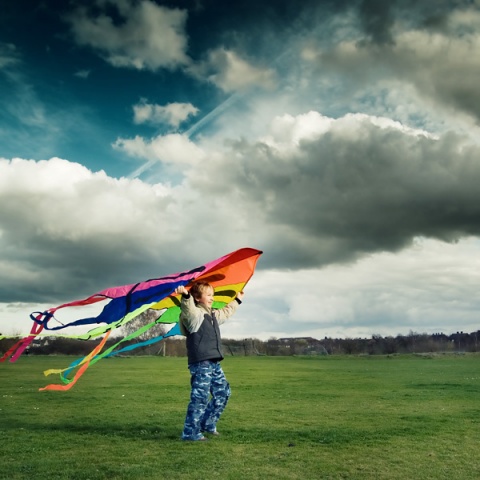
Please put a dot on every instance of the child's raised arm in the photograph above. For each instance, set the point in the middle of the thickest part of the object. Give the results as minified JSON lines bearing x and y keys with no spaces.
{"x":182,"y":290}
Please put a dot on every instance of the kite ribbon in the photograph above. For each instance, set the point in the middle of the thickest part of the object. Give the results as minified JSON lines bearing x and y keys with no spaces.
{"x":19,"y":347}
{"x":81,"y":370}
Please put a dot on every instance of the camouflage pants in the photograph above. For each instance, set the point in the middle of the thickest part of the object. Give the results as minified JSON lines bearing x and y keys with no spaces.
{"x":203,"y":412}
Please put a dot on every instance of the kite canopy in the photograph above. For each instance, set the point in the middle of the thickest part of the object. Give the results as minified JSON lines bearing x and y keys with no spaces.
{"x":228,"y":275}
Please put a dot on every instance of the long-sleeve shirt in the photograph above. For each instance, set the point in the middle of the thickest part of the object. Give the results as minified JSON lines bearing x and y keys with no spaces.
{"x":201,"y":327}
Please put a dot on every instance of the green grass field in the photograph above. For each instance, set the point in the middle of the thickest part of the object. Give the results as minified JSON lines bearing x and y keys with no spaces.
{"x":400,"y":417}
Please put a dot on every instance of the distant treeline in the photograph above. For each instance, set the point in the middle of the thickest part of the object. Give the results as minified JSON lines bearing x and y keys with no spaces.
{"x":175,"y":346}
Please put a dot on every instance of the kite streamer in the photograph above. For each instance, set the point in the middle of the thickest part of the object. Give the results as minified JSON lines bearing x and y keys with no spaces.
{"x":228,"y":275}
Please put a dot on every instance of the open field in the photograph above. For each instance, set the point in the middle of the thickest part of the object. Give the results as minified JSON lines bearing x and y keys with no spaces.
{"x":400,"y":417}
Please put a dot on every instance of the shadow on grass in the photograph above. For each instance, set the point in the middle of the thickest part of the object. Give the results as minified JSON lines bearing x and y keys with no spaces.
{"x":407,"y":426}
{"x":137,"y":431}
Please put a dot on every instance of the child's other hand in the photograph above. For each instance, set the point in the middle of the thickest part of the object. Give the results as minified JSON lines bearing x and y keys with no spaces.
{"x":240,"y":295}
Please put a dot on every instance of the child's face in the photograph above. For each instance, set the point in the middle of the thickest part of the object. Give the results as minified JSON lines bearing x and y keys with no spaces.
{"x":207,"y":297}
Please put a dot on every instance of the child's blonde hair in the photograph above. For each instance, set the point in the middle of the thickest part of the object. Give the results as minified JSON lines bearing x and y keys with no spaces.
{"x":198,"y":288}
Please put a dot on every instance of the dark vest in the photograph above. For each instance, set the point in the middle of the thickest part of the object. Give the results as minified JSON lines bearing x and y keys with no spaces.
{"x":206,"y":344}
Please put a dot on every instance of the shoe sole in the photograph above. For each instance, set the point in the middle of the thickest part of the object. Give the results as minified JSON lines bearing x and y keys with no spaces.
{"x":203,"y":439}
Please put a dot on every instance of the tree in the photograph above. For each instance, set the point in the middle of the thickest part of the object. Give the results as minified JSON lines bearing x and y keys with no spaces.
{"x":146,"y":317}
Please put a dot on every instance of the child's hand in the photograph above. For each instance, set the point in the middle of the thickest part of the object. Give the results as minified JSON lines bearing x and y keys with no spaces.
{"x":240,"y":295}
{"x":181,"y":290}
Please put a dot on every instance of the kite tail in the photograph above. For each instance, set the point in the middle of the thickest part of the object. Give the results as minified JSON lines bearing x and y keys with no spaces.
{"x":22,"y":344}
{"x":175,"y":330}
{"x":40,"y":321}
{"x":81,"y":370}
{"x":110,"y":352}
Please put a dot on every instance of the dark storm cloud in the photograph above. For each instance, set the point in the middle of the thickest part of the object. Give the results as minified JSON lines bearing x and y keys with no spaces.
{"x":347,"y":194}
{"x":431,"y":48}
{"x":376,"y":17}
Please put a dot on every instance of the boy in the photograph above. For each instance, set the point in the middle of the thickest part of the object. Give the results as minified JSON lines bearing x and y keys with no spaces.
{"x":200,"y":324}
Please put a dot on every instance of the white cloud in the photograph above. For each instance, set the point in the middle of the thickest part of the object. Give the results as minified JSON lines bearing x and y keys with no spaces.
{"x":172,"y":114}
{"x":149,"y":37}
{"x":57,"y":199}
{"x":228,"y":71}
{"x":288,"y":130}
{"x":8,"y":54}
{"x":153,"y":37}
{"x":82,"y":74}
{"x":173,"y":149}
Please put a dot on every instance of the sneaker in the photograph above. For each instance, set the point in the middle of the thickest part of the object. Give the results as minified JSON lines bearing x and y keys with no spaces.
{"x":215,"y":433}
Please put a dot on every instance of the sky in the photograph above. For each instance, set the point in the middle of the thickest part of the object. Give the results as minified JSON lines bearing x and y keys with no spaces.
{"x":341,"y":138}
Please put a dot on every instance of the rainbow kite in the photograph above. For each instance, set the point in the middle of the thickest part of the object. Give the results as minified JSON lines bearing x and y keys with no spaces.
{"x":228,"y":275}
